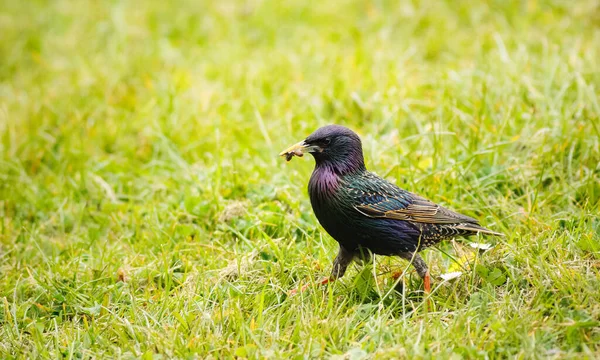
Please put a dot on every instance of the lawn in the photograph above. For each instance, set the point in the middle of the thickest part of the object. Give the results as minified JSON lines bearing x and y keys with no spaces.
{"x":144,"y":212}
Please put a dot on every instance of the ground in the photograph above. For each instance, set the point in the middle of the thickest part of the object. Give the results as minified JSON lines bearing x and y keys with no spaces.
{"x":145,"y":213}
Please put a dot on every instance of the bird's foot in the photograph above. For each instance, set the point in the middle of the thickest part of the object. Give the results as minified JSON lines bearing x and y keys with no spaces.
{"x":306,"y":286}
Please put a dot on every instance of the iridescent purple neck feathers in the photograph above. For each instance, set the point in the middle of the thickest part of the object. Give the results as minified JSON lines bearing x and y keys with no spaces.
{"x":323,"y":183}
{"x":328,"y":172}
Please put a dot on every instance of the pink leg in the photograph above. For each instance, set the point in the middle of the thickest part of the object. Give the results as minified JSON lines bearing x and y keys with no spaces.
{"x":427,"y":282}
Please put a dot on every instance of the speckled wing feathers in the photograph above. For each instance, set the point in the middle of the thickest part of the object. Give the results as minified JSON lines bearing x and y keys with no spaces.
{"x":417,"y":210}
{"x":375,"y":197}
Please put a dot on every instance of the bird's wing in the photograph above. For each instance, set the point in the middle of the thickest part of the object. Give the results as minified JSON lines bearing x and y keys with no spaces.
{"x":375,"y":197}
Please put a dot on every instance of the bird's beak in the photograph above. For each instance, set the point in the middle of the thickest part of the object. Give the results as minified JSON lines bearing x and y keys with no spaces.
{"x":299,"y":150}
{"x":296,"y":149}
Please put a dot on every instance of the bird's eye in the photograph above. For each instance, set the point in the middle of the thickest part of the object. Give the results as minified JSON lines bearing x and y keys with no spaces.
{"x":326,"y":141}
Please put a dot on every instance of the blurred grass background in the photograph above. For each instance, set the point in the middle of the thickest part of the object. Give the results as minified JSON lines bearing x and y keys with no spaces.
{"x":145,"y":212}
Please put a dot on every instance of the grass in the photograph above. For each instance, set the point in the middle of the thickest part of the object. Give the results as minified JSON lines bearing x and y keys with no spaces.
{"x":144,"y":211}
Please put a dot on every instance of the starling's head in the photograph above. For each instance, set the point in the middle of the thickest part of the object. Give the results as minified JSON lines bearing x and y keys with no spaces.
{"x":334,"y":146}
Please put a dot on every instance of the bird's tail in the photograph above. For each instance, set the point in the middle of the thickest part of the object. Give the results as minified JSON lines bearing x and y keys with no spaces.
{"x":477,"y":229}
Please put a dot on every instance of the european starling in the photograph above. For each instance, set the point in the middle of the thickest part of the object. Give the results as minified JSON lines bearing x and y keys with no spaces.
{"x":368,"y":215}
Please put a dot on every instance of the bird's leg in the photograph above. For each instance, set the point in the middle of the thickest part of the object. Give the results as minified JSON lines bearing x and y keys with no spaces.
{"x":340,"y":264}
{"x":419,"y":264}
{"x":364,"y":256}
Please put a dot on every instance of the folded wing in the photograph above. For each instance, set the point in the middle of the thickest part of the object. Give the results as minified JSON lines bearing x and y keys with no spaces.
{"x":374,"y":197}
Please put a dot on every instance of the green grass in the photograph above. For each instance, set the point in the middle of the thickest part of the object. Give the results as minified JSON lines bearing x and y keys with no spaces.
{"x":144,"y":210}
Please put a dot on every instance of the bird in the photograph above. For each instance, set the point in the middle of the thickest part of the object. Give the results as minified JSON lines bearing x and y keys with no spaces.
{"x":368,"y":215}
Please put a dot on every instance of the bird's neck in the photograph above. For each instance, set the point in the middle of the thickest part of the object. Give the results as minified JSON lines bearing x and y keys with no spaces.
{"x":349,"y":165}
{"x":323,"y":182}
{"x":327,"y":177}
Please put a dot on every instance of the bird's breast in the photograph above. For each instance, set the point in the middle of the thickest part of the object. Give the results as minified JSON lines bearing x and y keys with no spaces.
{"x":330,"y":206}
{"x":323,"y":191}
